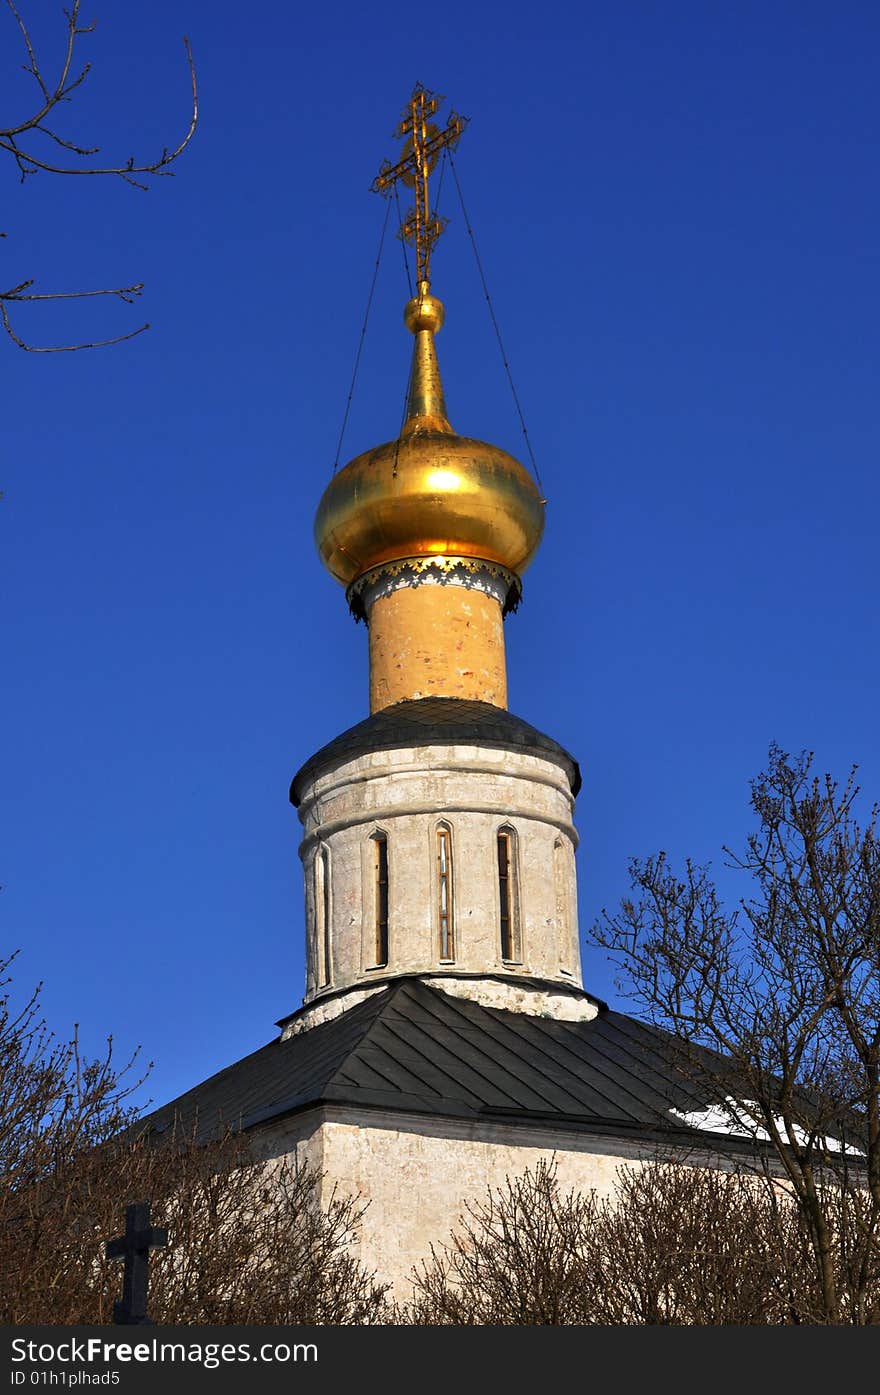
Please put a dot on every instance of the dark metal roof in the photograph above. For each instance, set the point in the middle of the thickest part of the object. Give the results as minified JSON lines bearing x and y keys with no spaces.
{"x":416,"y":1049}
{"x":436,"y":722}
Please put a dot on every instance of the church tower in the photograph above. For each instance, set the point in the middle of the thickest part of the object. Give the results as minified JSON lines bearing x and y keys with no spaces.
{"x":437,"y":834}
{"x":445,"y":1041}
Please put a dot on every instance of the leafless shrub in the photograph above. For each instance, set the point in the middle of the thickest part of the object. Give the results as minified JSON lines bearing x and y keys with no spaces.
{"x":517,"y":1259}
{"x":685,"y":1246}
{"x":248,"y":1242}
{"x":675,"y":1245}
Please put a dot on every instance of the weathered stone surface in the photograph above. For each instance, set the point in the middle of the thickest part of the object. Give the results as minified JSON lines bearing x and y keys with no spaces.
{"x":436,"y":641}
{"x":407,"y":794}
{"x":415,"y":1175}
{"x":513,"y":996}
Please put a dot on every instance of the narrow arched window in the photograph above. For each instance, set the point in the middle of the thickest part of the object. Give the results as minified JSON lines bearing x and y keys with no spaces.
{"x":380,"y":844}
{"x":322,"y":916}
{"x":508,"y":896}
{"x":563,"y":913}
{"x":444,"y":892}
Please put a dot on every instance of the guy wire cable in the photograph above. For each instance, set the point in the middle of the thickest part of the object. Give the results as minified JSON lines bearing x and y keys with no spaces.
{"x":504,"y":359}
{"x":357,"y":359}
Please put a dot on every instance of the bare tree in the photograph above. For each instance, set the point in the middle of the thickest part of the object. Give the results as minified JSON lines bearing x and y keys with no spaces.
{"x":249,"y":1242}
{"x":774,"y":1009}
{"x":29,"y":139}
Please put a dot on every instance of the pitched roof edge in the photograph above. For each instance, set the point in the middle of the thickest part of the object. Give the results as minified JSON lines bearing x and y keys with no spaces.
{"x":677,"y":1135}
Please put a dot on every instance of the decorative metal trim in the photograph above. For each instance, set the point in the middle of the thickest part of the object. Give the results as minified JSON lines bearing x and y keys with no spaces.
{"x":438,"y":570}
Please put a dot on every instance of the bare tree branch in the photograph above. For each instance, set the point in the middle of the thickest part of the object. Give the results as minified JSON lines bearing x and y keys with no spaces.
{"x":773,"y":1008}
{"x":126,"y":293}
{"x":64,"y":348}
{"x":28,"y":161}
{"x":62,"y":87}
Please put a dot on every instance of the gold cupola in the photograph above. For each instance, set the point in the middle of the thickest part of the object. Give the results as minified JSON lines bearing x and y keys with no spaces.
{"x":429,"y":492}
{"x":430,"y":512}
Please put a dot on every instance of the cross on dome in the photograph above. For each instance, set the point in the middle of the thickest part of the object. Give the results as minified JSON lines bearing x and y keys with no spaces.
{"x":424,"y":144}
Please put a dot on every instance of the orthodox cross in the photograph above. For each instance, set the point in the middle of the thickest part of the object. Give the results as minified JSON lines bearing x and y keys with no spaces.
{"x":134,"y":1247}
{"x":424,"y":145}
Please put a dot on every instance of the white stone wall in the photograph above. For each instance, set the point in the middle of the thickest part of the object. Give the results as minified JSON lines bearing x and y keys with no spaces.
{"x":416,"y":1174}
{"x":406,"y":794}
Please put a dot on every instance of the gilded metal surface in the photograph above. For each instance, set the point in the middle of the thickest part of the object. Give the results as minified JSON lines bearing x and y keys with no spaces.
{"x":430,"y":493}
{"x":421,"y":226}
{"x":424,"y":311}
{"x":425,"y":403}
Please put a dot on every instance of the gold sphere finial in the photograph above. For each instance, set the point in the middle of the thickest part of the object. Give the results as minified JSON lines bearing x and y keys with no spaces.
{"x":424,"y":312}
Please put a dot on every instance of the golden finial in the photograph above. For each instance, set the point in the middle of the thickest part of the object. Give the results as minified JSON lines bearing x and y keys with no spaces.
{"x":424,"y":145}
{"x":425,"y":403}
{"x":428,"y":498}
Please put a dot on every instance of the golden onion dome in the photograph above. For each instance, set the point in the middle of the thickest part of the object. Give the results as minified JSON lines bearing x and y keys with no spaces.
{"x":430,"y":492}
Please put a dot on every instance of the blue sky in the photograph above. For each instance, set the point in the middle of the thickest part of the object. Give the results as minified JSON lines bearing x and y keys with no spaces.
{"x":677,"y":208}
